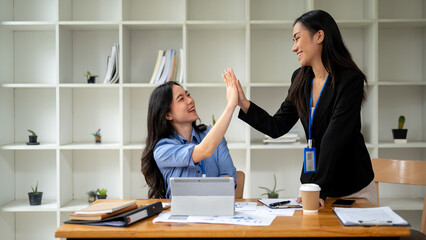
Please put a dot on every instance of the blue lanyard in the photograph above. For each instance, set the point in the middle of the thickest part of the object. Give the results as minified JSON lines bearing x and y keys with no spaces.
{"x":203,"y":169}
{"x":311,"y":116}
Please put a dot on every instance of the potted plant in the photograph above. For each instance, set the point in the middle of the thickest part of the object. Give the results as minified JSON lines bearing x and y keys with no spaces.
{"x":102,"y":193}
{"x":98,"y":137}
{"x":32,"y":139}
{"x":272,"y":193}
{"x":92,"y":195}
{"x":35,"y":196}
{"x":400,"y":134}
{"x":90,"y":77}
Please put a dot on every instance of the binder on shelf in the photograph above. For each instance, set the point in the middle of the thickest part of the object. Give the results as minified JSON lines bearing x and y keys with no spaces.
{"x":124,"y":219}
{"x":167,"y":66}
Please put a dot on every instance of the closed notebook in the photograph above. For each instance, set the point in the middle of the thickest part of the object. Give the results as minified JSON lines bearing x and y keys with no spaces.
{"x":101,"y":216}
{"x":124,"y":219}
{"x":105,"y":207}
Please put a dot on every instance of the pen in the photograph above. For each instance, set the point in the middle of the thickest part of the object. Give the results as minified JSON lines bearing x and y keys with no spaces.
{"x":278,"y":203}
{"x":372,"y":223}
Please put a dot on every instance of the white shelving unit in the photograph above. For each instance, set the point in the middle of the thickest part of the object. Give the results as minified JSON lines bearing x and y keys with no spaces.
{"x":48,"y":45}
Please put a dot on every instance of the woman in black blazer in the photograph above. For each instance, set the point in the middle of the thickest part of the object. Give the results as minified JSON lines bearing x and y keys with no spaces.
{"x":343,"y":166}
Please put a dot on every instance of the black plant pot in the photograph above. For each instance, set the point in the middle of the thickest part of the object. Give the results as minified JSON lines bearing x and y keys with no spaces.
{"x":399,"y":135}
{"x":272,"y":195}
{"x":102,"y":197}
{"x":32,"y":139}
{"x":91,"y":80}
{"x":35,"y":198}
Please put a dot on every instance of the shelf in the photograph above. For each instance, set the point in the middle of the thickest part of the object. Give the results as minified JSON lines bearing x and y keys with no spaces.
{"x":24,"y":206}
{"x":29,"y":25}
{"x":297,"y":145}
{"x":88,"y":85}
{"x":403,"y":145}
{"x":93,"y":146}
{"x":401,"y":23}
{"x":24,"y":146}
{"x":29,"y":85}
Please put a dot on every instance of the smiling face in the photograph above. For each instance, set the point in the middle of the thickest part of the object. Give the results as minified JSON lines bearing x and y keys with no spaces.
{"x":308,"y":47}
{"x":182,"y":108}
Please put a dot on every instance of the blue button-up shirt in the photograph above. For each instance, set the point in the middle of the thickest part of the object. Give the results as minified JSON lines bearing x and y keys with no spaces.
{"x":174,"y":158}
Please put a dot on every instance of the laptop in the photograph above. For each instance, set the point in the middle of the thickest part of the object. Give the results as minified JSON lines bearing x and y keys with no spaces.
{"x":203,"y":196}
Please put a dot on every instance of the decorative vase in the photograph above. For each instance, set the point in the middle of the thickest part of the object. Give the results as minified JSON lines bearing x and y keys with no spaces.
{"x":91,"y":199}
{"x":102,"y":197}
{"x":98,"y":139}
{"x":399,"y":135}
{"x":35,"y":198}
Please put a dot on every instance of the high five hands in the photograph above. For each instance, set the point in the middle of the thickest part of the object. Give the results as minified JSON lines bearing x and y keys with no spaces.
{"x":229,"y":76}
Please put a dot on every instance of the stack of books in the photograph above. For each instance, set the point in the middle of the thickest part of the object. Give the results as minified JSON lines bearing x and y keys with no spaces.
{"x":168,"y":67}
{"x":290,"y":137}
{"x":112,"y":73}
{"x":116,"y":213}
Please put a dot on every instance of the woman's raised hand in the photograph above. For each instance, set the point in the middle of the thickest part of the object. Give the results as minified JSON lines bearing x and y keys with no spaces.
{"x":231,"y":89}
{"x":242,"y":100}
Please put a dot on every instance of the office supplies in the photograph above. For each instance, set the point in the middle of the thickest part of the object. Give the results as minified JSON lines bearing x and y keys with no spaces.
{"x":279,"y":203}
{"x":126,"y":218}
{"x":268,"y":201}
{"x":369,"y":216}
{"x":203,"y":196}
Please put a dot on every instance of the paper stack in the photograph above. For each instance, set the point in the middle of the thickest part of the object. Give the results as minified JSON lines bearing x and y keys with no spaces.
{"x":112,"y":73}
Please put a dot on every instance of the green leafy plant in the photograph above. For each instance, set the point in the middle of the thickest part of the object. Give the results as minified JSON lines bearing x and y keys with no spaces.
{"x":89,"y":75}
{"x":35,"y":189}
{"x":92,"y":193}
{"x":97,"y":133}
{"x":102,"y":191}
{"x":32,"y":132}
{"x":401,"y":122}
{"x":213,"y":120}
{"x":273,"y":191}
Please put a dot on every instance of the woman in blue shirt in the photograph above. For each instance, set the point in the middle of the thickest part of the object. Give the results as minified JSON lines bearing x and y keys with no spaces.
{"x":176,"y":146}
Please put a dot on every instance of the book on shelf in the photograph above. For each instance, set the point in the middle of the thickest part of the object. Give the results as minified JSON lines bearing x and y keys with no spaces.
{"x":290,"y":137}
{"x":169,"y":67}
{"x":105,"y":207}
{"x":124,"y":219}
{"x":157,"y":65}
{"x":100,"y":216}
{"x":112,"y":73}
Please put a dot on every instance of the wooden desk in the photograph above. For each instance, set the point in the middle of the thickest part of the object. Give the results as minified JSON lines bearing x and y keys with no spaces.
{"x":323,"y":224}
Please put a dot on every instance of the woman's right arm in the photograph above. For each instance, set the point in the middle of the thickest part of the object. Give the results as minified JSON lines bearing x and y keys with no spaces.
{"x":274,"y":126}
{"x":211,"y":141}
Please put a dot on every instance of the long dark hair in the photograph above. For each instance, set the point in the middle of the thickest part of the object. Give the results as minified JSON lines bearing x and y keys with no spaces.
{"x":334,"y":56}
{"x":158,"y":128}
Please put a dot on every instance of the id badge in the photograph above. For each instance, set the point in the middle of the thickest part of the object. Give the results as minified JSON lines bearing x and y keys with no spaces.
{"x":310,"y":166}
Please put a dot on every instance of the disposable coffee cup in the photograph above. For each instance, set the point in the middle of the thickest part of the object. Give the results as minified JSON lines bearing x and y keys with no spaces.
{"x":310,"y":197}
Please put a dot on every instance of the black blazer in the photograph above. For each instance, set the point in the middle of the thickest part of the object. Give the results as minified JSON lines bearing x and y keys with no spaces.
{"x":343,"y":162}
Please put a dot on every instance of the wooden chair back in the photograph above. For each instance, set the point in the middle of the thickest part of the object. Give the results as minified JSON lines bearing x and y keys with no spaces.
{"x":240,"y":184}
{"x":401,"y":172}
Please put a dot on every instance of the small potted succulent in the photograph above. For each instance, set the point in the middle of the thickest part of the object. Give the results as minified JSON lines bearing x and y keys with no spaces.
{"x":90,"y":77}
{"x":400,"y":134}
{"x":32,"y":139}
{"x":98,"y":137}
{"x":92,"y":195}
{"x":35,"y":196}
{"x":272,"y":193}
{"x":102,"y":193}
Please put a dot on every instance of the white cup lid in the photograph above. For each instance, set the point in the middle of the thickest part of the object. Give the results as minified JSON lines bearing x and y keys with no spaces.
{"x":310,"y":187}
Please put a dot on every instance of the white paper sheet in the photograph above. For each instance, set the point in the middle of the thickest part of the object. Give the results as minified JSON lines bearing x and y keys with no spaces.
{"x":245,"y":206}
{"x":240,"y":218}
